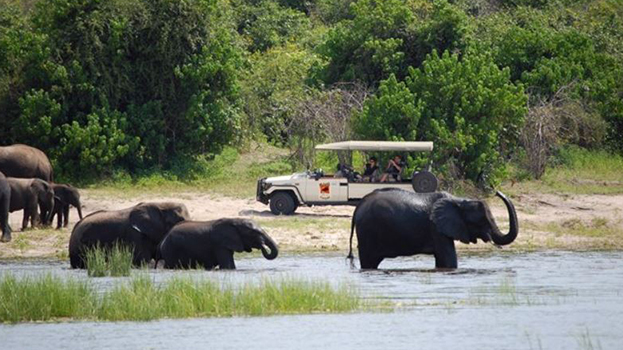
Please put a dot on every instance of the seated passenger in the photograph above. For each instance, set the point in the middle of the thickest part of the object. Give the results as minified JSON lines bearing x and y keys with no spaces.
{"x":344,"y":170}
{"x":394,"y":169}
{"x":370,"y":173}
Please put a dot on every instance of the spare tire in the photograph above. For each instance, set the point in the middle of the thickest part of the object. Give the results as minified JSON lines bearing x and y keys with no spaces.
{"x":424,"y":182}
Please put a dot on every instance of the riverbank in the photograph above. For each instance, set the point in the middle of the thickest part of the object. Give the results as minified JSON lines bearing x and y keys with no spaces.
{"x":547,"y":221}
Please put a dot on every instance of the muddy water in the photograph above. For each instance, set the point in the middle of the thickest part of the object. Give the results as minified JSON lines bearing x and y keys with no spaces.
{"x":549,"y":300}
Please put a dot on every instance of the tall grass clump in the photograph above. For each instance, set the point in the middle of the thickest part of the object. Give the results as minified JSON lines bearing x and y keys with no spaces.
{"x":114,"y":261}
{"x":44,"y":298}
{"x":140,"y":299}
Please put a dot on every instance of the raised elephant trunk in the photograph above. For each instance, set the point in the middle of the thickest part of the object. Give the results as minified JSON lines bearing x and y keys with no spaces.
{"x":497,"y":236}
{"x":272,"y":246}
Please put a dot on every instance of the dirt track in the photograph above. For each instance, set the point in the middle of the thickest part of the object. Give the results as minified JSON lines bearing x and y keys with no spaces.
{"x":543,"y":221}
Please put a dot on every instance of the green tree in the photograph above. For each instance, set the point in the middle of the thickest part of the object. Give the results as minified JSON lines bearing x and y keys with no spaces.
{"x":467,"y":106}
{"x":387,"y":37}
{"x":155,"y":80}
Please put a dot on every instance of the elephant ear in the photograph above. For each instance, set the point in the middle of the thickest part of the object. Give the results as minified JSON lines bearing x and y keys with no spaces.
{"x":448,"y":219}
{"x":225,"y":234}
{"x":147,"y":219}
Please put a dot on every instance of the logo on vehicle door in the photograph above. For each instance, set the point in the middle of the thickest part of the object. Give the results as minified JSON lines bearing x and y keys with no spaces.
{"x":325,"y":190}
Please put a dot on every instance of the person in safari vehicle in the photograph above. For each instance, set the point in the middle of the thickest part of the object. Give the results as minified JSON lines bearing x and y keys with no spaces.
{"x":371,"y":170}
{"x":393,"y":169}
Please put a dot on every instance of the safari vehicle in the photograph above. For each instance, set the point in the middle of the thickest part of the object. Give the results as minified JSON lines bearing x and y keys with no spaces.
{"x":285,"y":194}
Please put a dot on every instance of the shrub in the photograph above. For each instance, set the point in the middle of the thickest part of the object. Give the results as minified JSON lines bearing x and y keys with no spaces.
{"x":467,"y":106}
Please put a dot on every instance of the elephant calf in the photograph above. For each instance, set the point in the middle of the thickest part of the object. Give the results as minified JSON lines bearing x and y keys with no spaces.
{"x":209,"y":244}
{"x":27,"y":195}
{"x":64,"y":196}
{"x":142,"y":226}
{"x":5,"y":203}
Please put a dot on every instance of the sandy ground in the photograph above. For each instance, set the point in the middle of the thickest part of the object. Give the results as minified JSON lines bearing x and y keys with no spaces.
{"x":546,"y":222}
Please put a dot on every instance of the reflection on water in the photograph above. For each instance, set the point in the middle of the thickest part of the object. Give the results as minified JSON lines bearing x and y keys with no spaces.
{"x":550,"y":300}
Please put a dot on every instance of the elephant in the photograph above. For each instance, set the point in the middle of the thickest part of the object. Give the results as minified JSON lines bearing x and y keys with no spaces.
{"x":208,"y":244}
{"x":26,"y":194}
{"x":25,"y":162}
{"x":64,"y":196}
{"x":395,"y":222}
{"x":142,"y":227}
{"x":5,"y":204}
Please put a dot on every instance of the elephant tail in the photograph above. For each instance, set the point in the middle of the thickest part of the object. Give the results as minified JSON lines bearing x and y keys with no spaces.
{"x":350,"y":244}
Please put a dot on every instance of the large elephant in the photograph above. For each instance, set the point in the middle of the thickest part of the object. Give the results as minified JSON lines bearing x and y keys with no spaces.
{"x":5,"y":204}
{"x":64,"y":196}
{"x":27,"y":195}
{"x":142,"y":227}
{"x":25,"y":162}
{"x":393,"y":222}
{"x":209,"y":244}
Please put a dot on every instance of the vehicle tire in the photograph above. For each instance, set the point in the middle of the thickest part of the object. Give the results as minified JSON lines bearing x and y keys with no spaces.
{"x":424,"y":182}
{"x":282,"y":203}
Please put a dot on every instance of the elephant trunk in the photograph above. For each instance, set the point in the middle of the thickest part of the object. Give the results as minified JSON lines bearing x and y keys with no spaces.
{"x":272,"y":246}
{"x":79,"y":207}
{"x":497,"y":236}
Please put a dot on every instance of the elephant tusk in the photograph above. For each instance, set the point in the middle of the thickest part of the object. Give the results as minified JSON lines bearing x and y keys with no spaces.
{"x":136,"y":228}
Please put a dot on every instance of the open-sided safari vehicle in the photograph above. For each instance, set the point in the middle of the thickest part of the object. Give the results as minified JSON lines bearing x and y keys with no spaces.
{"x":346,"y":187}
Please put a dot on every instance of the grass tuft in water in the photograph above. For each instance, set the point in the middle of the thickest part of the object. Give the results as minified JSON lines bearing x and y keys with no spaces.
{"x":44,"y":298}
{"x":115,"y":261}
{"x":586,"y":341}
{"x":139,"y":299}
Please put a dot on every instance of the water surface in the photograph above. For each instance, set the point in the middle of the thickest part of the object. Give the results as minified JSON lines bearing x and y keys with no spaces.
{"x":545,"y":300}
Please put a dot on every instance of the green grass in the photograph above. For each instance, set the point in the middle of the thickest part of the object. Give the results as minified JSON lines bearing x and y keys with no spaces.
{"x":115,"y":261}
{"x":578,"y":171}
{"x":48,"y":297}
{"x":230,"y":173}
{"x":44,"y":298}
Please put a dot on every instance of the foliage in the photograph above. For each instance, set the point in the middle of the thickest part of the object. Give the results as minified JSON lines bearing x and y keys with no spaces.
{"x":43,"y":298}
{"x":548,"y":50}
{"x":273,"y":88}
{"x":387,"y":37}
{"x":122,"y":83}
{"x":150,"y":89}
{"x":467,"y":106}
{"x":265,"y":24}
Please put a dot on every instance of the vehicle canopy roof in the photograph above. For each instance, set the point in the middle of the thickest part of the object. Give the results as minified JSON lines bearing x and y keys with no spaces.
{"x":401,"y":146}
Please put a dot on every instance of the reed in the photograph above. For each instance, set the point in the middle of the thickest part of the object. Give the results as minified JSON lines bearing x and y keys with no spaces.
{"x":43,"y":298}
{"x":49,"y":297}
{"x":103,"y":261}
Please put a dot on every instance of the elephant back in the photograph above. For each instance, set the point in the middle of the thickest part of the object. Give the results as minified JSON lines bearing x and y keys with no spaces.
{"x":102,"y":227}
{"x":24,"y":161}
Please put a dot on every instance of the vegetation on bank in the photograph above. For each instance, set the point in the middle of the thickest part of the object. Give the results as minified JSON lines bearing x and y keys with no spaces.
{"x":111,"y":89}
{"x":48,"y":298}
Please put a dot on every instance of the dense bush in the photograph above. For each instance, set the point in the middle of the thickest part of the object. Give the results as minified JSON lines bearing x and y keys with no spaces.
{"x":387,"y":37}
{"x":467,"y":106}
{"x":265,"y":24}
{"x":149,"y":86}
{"x":122,"y":83}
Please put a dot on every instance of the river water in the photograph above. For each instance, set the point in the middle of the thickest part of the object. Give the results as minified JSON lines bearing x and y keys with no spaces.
{"x":544,"y":300}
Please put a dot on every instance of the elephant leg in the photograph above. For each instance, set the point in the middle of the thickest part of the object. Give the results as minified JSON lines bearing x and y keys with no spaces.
{"x":59,"y":218}
{"x":6,"y":229}
{"x":25,"y":219}
{"x":66,"y":214}
{"x":445,"y":253}
{"x":366,"y":259}
{"x":225,"y":259}
{"x":368,"y":262}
